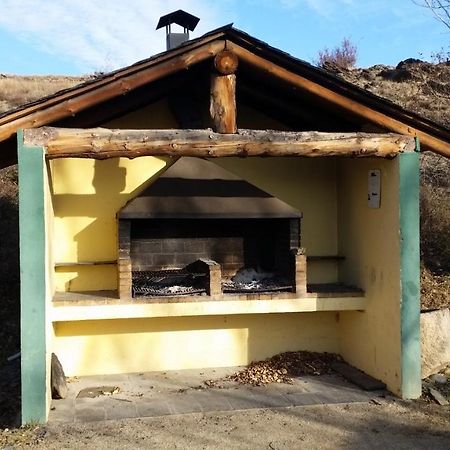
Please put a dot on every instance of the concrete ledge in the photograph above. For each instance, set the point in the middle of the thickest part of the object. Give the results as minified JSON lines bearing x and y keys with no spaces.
{"x":65,"y":312}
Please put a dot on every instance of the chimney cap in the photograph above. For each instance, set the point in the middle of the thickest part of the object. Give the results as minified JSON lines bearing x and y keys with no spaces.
{"x":179,"y":17}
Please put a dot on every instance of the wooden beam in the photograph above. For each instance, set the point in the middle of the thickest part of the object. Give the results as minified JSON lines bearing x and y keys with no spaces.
{"x":223,"y":103}
{"x":223,"y":93}
{"x":102,"y":143}
{"x":226,"y":62}
{"x":339,"y":100}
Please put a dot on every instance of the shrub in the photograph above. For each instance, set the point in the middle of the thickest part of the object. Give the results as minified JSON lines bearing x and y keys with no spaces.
{"x":435,"y":228}
{"x":343,"y":56}
{"x":441,"y":57}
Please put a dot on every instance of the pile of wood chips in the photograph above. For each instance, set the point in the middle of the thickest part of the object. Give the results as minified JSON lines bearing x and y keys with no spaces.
{"x":281,"y":368}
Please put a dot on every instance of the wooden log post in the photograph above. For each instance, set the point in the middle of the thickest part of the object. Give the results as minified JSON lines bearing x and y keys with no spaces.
{"x":223,"y":93}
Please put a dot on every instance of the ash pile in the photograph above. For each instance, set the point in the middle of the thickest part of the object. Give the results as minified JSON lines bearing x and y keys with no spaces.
{"x":254,"y":280}
{"x":168,"y":283}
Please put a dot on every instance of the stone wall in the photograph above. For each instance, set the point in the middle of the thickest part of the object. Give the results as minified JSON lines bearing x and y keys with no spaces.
{"x":435,"y":337}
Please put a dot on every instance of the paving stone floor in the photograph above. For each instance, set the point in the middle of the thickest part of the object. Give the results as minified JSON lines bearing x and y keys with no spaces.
{"x":179,"y":392}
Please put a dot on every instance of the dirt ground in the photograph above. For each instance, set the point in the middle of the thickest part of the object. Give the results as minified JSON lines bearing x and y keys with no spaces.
{"x":394,"y":424}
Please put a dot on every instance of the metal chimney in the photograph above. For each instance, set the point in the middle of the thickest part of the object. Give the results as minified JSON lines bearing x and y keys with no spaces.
{"x":181,"y":18}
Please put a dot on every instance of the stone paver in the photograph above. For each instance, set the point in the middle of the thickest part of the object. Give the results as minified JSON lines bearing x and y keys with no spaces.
{"x":121,"y":409}
{"x":180,"y":392}
{"x":89,"y":413}
{"x":153,"y":408}
{"x":213,"y":400}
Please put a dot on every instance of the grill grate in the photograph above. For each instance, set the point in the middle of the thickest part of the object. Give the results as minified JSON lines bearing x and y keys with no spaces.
{"x":168,"y":283}
{"x":260,"y":286}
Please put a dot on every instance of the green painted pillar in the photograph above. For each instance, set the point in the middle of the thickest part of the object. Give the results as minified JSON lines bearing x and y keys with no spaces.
{"x":32,"y":282}
{"x":410,"y":274}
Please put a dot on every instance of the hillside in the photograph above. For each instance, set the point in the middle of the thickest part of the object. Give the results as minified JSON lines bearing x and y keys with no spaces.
{"x":15,"y":90}
{"x":418,"y":86}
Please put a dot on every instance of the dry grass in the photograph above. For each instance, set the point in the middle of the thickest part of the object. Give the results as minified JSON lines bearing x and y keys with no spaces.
{"x":435,"y":231}
{"x":16,"y":91}
{"x":434,"y":290}
{"x":435,"y":228}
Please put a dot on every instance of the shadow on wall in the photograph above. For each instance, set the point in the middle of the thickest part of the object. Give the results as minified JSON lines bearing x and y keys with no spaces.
{"x":97,"y":241}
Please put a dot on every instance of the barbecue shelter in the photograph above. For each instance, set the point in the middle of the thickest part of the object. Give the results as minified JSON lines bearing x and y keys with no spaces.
{"x":213,"y":205}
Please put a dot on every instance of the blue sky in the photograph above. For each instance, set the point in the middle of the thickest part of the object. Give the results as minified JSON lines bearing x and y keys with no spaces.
{"x":83,"y":36}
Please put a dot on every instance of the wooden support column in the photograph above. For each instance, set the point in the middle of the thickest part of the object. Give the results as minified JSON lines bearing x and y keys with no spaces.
{"x":223,"y":93}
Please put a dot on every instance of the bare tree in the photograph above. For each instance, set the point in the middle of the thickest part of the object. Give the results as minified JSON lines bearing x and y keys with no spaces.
{"x":439,"y":8}
{"x":343,"y":56}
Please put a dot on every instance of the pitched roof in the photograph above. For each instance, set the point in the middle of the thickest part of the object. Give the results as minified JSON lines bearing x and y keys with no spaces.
{"x":272,"y":62}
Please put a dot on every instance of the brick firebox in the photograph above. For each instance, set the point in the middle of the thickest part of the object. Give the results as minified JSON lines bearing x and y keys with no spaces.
{"x":197,"y":211}
{"x":270,"y":245}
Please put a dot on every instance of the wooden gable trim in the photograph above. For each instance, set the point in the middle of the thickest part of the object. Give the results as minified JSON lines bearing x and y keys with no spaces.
{"x":102,"y":143}
{"x":76,"y":100}
{"x":340,"y":101}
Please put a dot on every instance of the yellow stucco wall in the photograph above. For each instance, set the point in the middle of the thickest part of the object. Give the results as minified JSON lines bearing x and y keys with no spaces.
{"x":369,"y":239}
{"x":111,"y":346}
{"x":85,"y":229}
{"x":86,"y":197}
{"x":87,"y":194}
{"x":136,"y":345}
{"x":331,"y":193}
{"x":308,"y":184}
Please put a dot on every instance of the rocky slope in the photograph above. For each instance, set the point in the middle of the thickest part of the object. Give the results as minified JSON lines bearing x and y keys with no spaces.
{"x":416,"y":85}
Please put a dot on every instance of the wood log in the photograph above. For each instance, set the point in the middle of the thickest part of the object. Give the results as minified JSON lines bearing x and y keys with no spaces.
{"x":223,"y":103}
{"x":226,"y":62}
{"x":100,"y":143}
